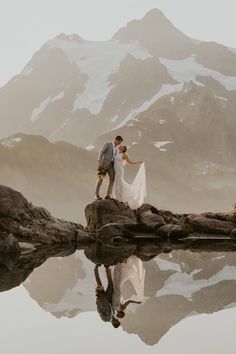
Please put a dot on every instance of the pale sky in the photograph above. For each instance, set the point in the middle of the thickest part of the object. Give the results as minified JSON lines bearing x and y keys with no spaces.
{"x":25,"y":25}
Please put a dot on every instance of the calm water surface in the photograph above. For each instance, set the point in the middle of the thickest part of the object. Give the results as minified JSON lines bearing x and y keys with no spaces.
{"x":188,"y":306}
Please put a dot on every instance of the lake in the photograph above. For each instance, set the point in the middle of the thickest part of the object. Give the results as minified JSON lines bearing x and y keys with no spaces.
{"x":188,"y":304}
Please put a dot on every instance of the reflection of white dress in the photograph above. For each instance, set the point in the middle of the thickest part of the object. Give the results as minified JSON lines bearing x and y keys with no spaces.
{"x":132,"y":270}
{"x":134,"y":193}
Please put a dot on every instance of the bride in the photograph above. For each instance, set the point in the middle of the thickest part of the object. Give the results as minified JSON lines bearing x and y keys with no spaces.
{"x":133,"y":194}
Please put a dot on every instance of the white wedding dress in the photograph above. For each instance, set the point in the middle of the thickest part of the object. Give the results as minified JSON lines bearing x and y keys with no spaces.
{"x":134,"y":193}
{"x":132,"y":270}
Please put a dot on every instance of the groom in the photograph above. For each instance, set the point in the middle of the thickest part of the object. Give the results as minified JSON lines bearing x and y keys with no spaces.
{"x":106,"y":166}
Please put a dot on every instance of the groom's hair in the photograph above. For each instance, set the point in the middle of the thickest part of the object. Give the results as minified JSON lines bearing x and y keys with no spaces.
{"x":119,"y":138}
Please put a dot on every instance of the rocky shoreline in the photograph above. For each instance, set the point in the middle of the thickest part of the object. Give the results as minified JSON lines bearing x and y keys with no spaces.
{"x":110,"y":217}
{"x":25,"y":227}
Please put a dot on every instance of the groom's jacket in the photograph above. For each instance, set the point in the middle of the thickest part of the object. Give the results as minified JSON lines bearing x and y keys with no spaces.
{"x":106,"y":154}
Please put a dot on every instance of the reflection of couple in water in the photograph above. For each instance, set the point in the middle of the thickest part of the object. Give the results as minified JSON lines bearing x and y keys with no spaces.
{"x":111,"y":304}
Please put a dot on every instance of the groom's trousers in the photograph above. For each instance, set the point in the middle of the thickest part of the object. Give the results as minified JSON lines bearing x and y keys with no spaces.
{"x":111,"y":174}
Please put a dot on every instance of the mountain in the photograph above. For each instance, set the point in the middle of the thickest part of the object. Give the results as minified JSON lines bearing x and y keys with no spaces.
{"x":156,"y":33}
{"x":57,"y":175}
{"x":171,"y":97}
{"x":75,"y":90}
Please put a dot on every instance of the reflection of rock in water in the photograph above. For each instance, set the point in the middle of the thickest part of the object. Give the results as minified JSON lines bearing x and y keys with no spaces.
{"x":185,"y":284}
{"x":14,"y":270}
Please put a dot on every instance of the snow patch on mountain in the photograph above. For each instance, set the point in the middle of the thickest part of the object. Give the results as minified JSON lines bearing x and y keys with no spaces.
{"x":60,"y":128}
{"x":165,"y":90}
{"x":98,"y":60}
{"x":113,"y":119}
{"x":184,"y":284}
{"x":162,"y":121}
{"x":159,"y":144}
{"x":187,"y":70}
{"x":163,"y":264}
{"x":38,"y":110}
{"x":90,"y":147}
{"x":58,"y":97}
{"x":43,"y":105}
{"x":11,"y":142}
{"x":221,"y":98}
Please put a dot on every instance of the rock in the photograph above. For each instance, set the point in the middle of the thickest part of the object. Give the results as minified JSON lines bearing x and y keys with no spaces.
{"x":26,"y":247}
{"x":9,"y":245}
{"x":146,"y":207}
{"x":103,"y":212}
{"x":31,"y":224}
{"x":231,"y":216}
{"x":112,"y":230}
{"x":152,"y":219}
{"x":167,"y":215}
{"x":171,"y":232}
{"x":211,"y":226}
{"x":233,"y":233}
{"x":13,"y":205}
{"x":110,"y":219}
{"x":101,"y":254}
{"x":83,"y":238}
{"x":15,"y":270}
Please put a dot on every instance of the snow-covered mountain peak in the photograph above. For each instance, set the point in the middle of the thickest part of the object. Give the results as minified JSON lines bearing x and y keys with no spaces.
{"x":98,"y":60}
{"x":70,"y":37}
{"x":157,"y":34}
{"x":153,"y":19}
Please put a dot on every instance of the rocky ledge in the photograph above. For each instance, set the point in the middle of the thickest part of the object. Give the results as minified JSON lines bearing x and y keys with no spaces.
{"x":23,"y":225}
{"x":112,"y":221}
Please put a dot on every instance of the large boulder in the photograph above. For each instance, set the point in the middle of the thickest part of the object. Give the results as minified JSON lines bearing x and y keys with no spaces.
{"x":103,"y":212}
{"x":28,"y":223}
{"x":149,"y":215}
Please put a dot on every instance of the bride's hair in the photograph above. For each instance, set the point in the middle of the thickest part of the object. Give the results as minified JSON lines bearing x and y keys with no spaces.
{"x":124,"y":149}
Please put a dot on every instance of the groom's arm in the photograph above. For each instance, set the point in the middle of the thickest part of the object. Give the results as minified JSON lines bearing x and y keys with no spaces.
{"x":101,"y":154}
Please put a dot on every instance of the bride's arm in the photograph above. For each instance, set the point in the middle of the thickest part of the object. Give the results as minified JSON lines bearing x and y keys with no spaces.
{"x":126,"y":157}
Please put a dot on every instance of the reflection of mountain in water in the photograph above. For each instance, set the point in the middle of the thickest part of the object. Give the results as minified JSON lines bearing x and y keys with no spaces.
{"x":70,"y":288}
{"x":183,"y":284}
{"x":177,"y":285}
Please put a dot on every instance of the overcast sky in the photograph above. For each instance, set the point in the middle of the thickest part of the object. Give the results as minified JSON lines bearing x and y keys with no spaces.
{"x":27,"y":24}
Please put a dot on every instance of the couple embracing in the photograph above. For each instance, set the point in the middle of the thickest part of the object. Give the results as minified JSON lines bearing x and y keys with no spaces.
{"x":111,"y":160}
